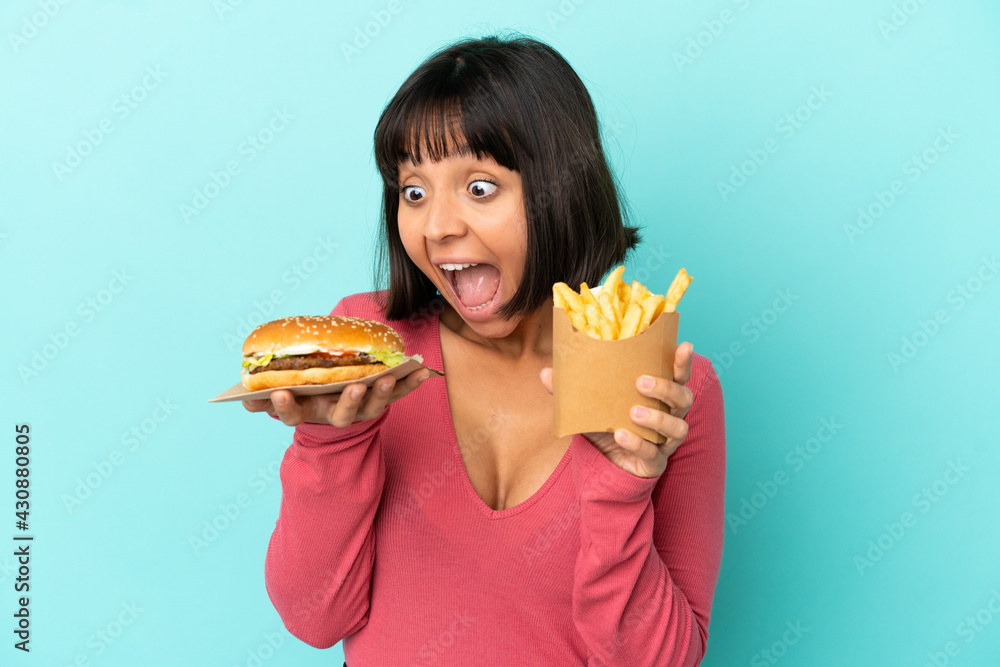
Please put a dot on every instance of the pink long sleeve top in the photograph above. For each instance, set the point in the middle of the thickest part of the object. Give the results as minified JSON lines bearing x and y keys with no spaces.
{"x":382,"y":541}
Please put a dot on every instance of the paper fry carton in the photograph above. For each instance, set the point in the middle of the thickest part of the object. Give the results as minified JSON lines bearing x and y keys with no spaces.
{"x":593,"y":381}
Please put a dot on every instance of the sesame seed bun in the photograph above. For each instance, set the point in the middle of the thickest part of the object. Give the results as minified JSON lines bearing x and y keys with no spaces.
{"x":332,"y":332}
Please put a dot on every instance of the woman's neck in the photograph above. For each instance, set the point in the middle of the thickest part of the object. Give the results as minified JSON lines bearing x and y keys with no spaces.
{"x":526,"y":339}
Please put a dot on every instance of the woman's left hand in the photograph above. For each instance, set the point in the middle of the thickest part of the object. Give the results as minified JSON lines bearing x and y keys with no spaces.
{"x":625,"y":448}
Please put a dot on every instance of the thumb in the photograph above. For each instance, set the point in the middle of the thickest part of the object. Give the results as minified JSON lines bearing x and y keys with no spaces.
{"x":546,"y":377}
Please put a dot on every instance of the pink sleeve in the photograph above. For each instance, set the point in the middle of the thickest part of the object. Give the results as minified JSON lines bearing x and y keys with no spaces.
{"x":320,"y":556}
{"x":650,"y":549}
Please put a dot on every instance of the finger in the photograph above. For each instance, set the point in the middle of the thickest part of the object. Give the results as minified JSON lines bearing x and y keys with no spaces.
{"x":343,"y":412}
{"x":677,"y":396}
{"x":546,"y":377}
{"x":632,"y":442}
{"x":412,"y":381}
{"x":286,"y":407}
{"x":376,"y":399}
{"x":664,"y":424}
{"x":682,"y":362}
{"x":321,"y":408}
{"x":257,"y":404}
{"x":315,"y":408}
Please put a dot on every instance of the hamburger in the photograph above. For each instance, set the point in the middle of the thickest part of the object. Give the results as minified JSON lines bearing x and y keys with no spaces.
{"x":317,"y":350}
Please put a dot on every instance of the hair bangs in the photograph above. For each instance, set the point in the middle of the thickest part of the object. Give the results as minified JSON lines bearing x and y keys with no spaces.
{"x":435,"y":125}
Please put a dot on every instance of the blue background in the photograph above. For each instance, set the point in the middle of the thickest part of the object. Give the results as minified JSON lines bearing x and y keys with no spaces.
{"x":687,"y":95}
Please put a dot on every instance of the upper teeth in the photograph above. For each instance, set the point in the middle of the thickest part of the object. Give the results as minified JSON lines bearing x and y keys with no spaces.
{"x":455,"y":267}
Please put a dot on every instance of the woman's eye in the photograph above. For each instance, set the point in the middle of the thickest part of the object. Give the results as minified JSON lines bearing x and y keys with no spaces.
{"x":482,"y":188}
{"x":416,"y":191}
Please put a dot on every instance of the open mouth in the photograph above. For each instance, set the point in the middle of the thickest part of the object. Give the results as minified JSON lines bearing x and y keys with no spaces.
{"x":474,"y":286}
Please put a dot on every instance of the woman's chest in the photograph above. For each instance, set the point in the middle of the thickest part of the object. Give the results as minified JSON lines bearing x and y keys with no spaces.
{"x":503,"y":425}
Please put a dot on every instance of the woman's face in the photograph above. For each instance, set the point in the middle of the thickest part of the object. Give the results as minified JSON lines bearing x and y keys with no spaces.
{"x":466,"y":211}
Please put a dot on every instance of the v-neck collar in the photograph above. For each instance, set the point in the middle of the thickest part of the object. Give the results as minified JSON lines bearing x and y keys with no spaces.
{"x":485,"y":509}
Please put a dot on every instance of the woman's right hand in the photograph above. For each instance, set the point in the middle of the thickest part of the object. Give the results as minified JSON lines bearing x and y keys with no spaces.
{"x":356,"y":403}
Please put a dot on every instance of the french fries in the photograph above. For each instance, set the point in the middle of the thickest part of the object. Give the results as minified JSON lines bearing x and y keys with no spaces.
{"x":651,"y":307}
{"x":587,"y":295}
{"x":571,"y":298}
{"x":676,"y":290}
{"x":619,"y":310}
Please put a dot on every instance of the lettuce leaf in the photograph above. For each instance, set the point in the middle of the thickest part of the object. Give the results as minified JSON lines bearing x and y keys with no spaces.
{"x":250,"y":363}
{"x":388,"y":357}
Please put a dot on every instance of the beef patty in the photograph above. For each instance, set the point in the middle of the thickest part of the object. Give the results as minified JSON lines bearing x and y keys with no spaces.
{"x":303,"y":361}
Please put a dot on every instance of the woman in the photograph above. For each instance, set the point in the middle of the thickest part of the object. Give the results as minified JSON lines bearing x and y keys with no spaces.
{"x":443,"y":523}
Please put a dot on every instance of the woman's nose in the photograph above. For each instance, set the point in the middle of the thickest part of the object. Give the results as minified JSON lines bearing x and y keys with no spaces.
{"x":444,"y":218}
